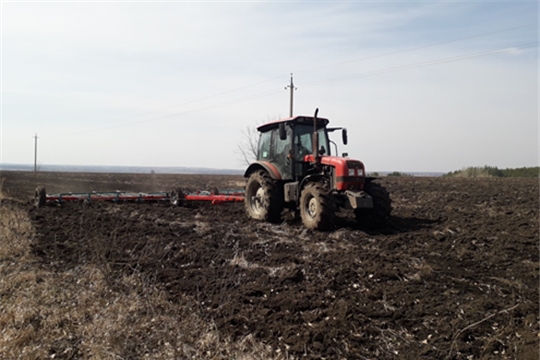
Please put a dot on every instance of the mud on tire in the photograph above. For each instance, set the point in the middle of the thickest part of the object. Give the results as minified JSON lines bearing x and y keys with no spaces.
{"x":316,"y":207}
{"x":263,"y":198}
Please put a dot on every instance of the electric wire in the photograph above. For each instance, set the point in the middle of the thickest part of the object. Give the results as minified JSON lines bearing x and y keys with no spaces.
{"x":315,"y":83}
{"x":321,"y":82}
{"x":414,"y":48}
{"x":174,"y":106}
{"x":211,"y":107}
{"x":309,"y":84}
{"x":419,"y":64}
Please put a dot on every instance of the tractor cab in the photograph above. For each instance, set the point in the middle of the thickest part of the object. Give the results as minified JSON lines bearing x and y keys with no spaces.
{"x":287,"y":144}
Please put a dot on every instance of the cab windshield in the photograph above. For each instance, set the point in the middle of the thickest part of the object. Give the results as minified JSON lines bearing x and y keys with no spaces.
{"x":303,"y":137}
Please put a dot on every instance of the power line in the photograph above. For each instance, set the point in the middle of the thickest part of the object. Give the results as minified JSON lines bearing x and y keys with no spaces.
{"x":414,"y":48}
{"x":321,"y":82}
{"x":171,"y":107}
{"x":418,"y":65}
{"x":210,"y":107}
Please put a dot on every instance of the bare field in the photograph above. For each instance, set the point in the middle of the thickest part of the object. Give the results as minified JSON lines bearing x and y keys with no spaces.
{"x":454,"y":275}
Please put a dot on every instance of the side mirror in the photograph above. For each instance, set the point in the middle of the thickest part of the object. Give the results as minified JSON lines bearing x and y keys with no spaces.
{"x":344,"y":136}
{"x":282,"y":132}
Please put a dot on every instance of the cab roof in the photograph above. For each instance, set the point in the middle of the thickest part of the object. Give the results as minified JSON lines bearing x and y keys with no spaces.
{"x":300,"y":119}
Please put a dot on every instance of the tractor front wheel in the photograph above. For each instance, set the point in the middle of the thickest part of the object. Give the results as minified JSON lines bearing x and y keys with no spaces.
{"x":316,"y":207}
{"x":382,"y":206}
{"x":262,"y":198}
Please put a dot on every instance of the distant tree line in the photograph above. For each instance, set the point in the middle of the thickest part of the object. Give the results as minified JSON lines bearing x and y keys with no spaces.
{"x":397,"y":173}
{"x":493,"y":171}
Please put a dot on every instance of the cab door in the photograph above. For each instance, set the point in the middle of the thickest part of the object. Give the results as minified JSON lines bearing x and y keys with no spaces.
{"x":282,"y":153}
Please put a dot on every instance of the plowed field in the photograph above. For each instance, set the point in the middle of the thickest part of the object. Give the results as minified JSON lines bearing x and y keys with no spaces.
{"x":453,"y":275}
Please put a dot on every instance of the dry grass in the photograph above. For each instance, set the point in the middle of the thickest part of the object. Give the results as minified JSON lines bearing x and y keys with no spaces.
{"x":81,"y":313}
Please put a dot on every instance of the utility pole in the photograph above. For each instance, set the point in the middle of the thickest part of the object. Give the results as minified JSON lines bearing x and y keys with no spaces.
{"x":35,"y":153}
{"x":291,"y":86}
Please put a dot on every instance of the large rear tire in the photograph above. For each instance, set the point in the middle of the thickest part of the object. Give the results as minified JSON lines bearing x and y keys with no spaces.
{"x":317,"y":207}
{"x":382,"y":206}
{"x":177,"y":197}
{"x":263,"y":198}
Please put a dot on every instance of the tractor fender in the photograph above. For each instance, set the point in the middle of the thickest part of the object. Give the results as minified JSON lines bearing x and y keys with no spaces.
{"x":369,"y":179}
{"x":263,"y":165}
{"x":293,"y":190}
{"x":307,"y":179}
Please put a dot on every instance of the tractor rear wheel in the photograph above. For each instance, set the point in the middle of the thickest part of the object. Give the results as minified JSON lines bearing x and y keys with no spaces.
{"x":177,"y":197}
{"x":316,"y":207}
{"x":262,"y":198}
{"x":382,"y":206}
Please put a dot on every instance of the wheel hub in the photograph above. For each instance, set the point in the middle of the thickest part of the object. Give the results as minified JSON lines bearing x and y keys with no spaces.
{"x":258,"y":199}
{"x":312,"y":207}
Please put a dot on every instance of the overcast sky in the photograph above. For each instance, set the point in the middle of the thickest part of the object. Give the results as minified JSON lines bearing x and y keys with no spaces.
{"x":420,"y":86}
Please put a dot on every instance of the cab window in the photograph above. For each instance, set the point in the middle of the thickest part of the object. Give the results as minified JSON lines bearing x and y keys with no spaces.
{"x":281,"y":155}
{"x":303,"y":137}
{"x":323,"y":141}
{"x":302,"y":141}
{"x":264,"y":146}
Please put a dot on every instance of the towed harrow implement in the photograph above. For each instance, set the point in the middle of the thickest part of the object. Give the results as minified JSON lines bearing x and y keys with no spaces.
{"x":176,"y":197}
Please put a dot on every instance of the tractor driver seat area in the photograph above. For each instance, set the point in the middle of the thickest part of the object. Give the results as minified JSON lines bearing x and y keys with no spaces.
{"x":303,"y":145}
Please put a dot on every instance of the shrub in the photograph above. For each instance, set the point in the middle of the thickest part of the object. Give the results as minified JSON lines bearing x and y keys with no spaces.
{"x":397,"y":173}
{"x":493,"y":171}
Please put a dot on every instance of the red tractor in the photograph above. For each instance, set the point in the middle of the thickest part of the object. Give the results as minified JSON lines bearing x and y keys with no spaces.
{"x":295,"y":169}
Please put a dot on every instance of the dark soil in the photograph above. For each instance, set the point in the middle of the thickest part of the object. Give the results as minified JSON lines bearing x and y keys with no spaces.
{"x":453,"y":275}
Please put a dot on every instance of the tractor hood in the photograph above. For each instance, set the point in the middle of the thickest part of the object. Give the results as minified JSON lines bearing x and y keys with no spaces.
{"x":344,"y":167}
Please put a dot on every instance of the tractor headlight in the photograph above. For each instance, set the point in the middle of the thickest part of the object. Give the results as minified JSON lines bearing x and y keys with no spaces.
{"x":352,"y":172}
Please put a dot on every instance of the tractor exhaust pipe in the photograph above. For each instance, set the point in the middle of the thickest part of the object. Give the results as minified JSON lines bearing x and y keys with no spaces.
{"x":315,"y":138}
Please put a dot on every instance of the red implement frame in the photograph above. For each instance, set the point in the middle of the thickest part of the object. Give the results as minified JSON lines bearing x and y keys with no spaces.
{"x":232,"y":196}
